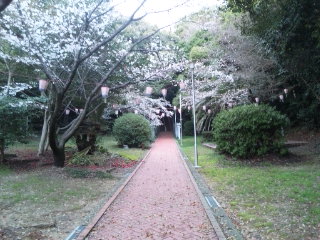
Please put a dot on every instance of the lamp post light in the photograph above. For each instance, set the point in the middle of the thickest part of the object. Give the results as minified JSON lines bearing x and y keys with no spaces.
{"x":194,"y":119}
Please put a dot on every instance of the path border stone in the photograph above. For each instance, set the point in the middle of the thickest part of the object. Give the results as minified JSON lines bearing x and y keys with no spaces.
{"x":97,"y":217}
{"x":220,"y":221}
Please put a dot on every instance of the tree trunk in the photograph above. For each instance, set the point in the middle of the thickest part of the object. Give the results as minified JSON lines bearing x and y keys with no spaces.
{"x":44,"y":134}
{"x":1,"y":151}
{"x":59,"y":157}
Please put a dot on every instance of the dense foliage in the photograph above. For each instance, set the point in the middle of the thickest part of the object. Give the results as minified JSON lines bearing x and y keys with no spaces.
{"x":188,"y":128}
{"x":289,"y":29}
{"x":249,"y":130}
{"x":132,"y":130}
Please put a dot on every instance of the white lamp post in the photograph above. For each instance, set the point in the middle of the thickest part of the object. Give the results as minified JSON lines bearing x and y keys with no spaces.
{"x":182,"y":87}
{"x":175,"y":121}
{"x":194,"y":119}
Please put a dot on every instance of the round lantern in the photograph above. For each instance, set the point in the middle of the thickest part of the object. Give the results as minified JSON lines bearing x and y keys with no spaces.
{"x":281,"y":97}
{"x":257,"y":100}
{"x":104,"y":93}
{"x":164,"y":92}
{"x":182,"y":85}
{"x":76,"y":110}
{"x":209,"y":111}
{"x":43,"y":84}
{"x":148,"y":91}
{"x":189,"y":108}
{"x":204,"y":107}
{"x":67,"y":111}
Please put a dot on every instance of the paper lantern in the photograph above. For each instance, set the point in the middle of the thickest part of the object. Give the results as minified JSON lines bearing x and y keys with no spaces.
{"x":286,"y":91}
{"x":135,"y":111}
{"x":257,"y":100}
{"x":174,"y":108}
{"x":43,"y":84}
{"x":189,"y":108}
{"x":158,"y":111}
{"x":209,"y":111}
{"x":148,"y":91}
{"x":204,"y":107}
{"x":281,"y":97}
{"x":67,"y":111}
{"x":182,"y":85}
{"x":164,"y":92}
{"x":104,"y":91}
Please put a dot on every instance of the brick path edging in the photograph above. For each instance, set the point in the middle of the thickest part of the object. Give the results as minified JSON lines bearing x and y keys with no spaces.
{"x":205,"y":205}
{"x":97,"y":217}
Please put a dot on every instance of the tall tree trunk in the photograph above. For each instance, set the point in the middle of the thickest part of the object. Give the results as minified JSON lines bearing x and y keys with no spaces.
{"x":1,"y":151}
{"x":59,"y":157}
{"x":43,"y":144}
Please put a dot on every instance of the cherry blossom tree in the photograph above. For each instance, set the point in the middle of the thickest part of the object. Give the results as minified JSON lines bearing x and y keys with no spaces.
{"x":80,"y":46}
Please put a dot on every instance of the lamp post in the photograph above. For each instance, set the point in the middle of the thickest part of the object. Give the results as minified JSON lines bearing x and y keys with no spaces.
{"x":194,"y":119}
{"x":182,"y":86}
{"x":175,"y":120}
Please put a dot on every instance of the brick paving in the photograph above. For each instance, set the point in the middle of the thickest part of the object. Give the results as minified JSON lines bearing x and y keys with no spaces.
{"x":159,"y":202}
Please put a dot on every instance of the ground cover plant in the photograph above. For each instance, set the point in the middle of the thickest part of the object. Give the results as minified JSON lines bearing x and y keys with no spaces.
{"x":277,"y":198}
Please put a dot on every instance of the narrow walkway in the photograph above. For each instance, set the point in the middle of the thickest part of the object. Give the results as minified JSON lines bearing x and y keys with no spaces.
{"x":159,"y":202}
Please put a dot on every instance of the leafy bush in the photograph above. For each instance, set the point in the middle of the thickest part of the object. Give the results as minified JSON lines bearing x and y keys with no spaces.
{"x":188,"y":128}
{"x":249,"y":130}
{"x":199,"y":53}
{"x":81,"y":158}
{"x":207,"y":136}
{"x":132,"y":130}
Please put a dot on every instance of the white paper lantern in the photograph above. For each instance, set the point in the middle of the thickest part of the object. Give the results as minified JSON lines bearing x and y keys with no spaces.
{"x":281,"y":98}
{"x":148,"y":91}
{"x":182,"y":85}
{"x":174,"y":108}
{"x":76,"y":110}
{"x":189,"y":108}
{"x":135,"y":111}
{"x":158,"y":111}
{"x":257,"y":100}
{"x":204,"y":107}
{"x":286,"y":91}
{"x":164,"y":92}
{"x":81,"y":110}
{"x":104,"y":91}
{"x":43,"y":84}
{"x":209,"y":111}
{"x":67,"y":111}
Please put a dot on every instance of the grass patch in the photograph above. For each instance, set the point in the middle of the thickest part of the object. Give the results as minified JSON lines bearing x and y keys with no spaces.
{"x":111,"y":145}
{"x":275,"y":192}
{"x":4,"y":171}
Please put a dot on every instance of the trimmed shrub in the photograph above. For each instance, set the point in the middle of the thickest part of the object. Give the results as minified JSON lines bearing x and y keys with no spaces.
{"x":188,"y":128}
{"x":132,"y":130}
{"x":207,"y":136}
{"x":249,"y":130}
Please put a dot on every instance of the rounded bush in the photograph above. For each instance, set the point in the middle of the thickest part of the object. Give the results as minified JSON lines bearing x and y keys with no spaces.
{"x":132,"y":130}
{"x":188,"y":128}
{"x":249,"y":130}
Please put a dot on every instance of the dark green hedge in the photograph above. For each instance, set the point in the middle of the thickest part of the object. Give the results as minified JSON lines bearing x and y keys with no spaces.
{"x":249,"y":130}
{"x":132,"y":130}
